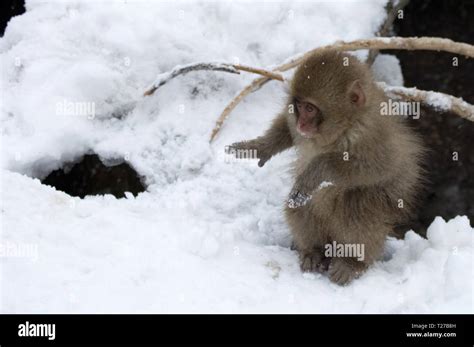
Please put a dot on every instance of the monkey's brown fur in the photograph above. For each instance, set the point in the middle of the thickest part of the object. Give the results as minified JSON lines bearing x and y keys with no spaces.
{"x":372,"y":191}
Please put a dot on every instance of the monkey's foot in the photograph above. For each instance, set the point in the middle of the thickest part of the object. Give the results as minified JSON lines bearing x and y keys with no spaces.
{"x":313,"y":262}
{"x":343,"y":270}
{"x":249,"y":150}
{"x":298,"y":199}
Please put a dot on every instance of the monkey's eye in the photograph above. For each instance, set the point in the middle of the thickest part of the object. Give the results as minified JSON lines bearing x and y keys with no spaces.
{"x":305,"y":107}
{"x":310,"y":108}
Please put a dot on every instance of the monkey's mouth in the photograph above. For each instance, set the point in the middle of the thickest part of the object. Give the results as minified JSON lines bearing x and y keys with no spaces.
{"x":307,"y":132}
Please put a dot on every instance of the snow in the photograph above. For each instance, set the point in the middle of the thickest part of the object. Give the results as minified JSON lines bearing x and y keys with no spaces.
{"x":209,"y":234}
{"x":439,"y":101}
{"x":387,"y":69}
{"x":325,"y":184}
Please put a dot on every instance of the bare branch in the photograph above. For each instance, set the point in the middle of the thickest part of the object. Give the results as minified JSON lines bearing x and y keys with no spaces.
{"x":436,"y":100}
{"x":403,"y":43}
{"x":270,"y":74}
{"x":257,"y":83}
{"x":165,"y":77}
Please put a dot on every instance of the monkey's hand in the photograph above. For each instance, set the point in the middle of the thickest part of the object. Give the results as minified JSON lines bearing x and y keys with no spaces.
{"x":253,"y":149}
{"x":297,"y":198}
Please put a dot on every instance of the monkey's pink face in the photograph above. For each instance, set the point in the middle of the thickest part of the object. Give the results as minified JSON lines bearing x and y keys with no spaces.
{"x":308,"y":118}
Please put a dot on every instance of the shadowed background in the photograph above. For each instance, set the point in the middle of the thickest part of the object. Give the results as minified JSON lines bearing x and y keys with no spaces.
{"x":451,"y":189}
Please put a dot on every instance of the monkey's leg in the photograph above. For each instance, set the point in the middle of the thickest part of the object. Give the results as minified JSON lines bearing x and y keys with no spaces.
{"x":359,"y":224}
{"x":368,"y":234}
{"x":307,"y":239}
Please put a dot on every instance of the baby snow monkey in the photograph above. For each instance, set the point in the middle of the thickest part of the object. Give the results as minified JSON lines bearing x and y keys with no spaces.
{"x":357,"y":172}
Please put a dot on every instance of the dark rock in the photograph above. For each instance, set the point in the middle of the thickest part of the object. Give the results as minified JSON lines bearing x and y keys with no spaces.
{"x":90,"y":176}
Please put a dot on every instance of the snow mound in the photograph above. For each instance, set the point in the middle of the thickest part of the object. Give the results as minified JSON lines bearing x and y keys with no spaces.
{"x":81,"y":257}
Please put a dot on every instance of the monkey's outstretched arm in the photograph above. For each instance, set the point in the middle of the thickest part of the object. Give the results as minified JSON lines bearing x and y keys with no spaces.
{"x":339,"y":171}
{"x":275,"y":140}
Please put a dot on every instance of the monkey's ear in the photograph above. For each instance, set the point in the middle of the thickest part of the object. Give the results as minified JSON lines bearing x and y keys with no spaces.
{"x":356,"y":94}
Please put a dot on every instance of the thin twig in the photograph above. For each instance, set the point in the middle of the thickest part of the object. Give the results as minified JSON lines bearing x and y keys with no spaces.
{"x":257,"y":83}
{"x":392,"y":8}
{"x":165,"y":77}
{"x":270,"y":74}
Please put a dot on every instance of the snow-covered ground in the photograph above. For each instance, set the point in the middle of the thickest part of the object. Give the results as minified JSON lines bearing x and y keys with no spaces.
{"x":208,"y":235}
